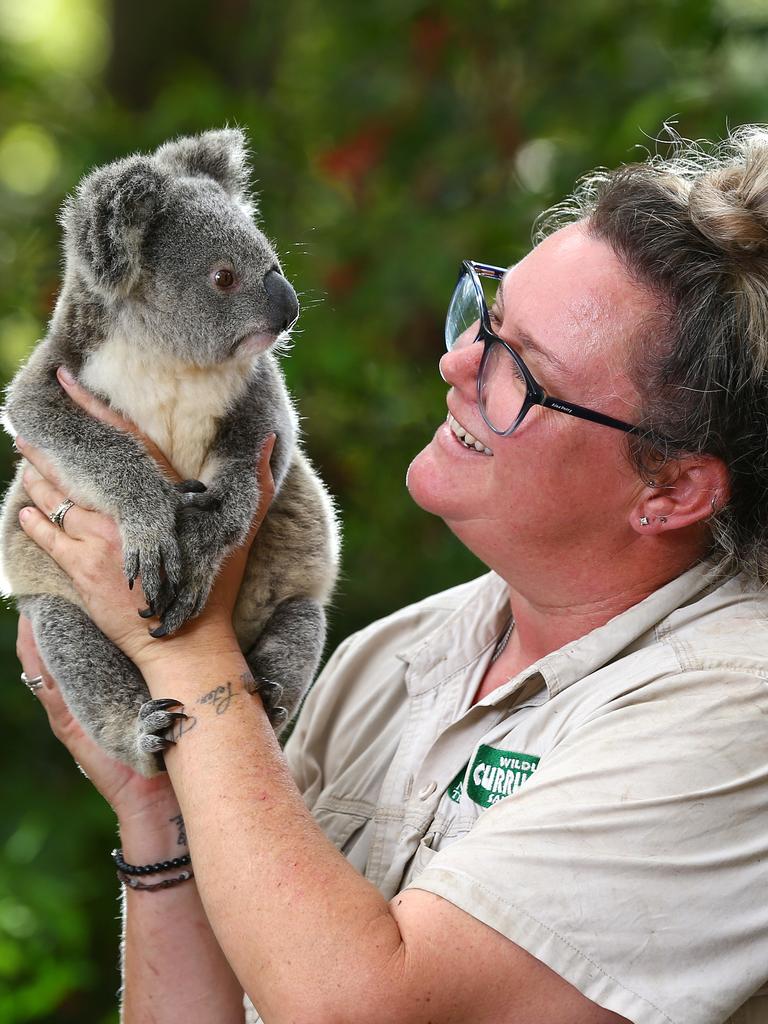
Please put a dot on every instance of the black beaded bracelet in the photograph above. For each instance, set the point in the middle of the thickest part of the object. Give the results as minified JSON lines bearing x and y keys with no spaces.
{"x":165,"y":883}
{"x":149,"y":869}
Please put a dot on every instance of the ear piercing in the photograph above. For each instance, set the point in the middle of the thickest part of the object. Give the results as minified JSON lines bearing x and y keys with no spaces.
{"x":645,"y":521}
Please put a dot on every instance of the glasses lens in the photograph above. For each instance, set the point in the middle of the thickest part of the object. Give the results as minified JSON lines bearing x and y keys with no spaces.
{"x":501,"y":388}
{"x":462,"y":324}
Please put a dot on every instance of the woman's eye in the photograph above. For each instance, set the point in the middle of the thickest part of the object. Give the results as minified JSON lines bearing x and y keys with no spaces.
{"x":495,"y":318}
{"x":223,"y":278}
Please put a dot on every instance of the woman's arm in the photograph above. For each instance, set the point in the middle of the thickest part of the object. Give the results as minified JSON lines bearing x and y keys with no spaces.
{"x":308,"y":938}
{"x":173,"y":969}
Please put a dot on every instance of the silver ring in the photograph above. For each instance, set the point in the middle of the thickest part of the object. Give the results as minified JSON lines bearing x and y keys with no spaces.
{"x":32,"y":684}
{"x":57,"y":516}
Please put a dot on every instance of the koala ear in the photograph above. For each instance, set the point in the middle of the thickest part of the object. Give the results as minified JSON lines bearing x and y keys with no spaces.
{"x":106,"y":221}
{"x":221,"y":155}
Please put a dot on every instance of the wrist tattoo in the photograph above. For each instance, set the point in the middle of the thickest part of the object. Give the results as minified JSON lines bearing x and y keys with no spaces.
{"x":178,"y":821}
{"x":181,"y":727}
{"x":220,"y":697}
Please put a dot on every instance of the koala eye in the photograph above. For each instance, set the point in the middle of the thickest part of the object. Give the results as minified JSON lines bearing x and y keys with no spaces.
{"x":223,"y":278}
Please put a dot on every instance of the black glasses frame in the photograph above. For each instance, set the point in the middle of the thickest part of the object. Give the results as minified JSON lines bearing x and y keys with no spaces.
{"x":535,"y":393}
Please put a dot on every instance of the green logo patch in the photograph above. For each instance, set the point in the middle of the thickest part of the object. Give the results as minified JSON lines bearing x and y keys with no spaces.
{"x":493,"y":774}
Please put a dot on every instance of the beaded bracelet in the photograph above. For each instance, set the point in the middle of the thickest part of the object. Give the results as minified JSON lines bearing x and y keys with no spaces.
{"x":165,"y":883}
{"x":149,"y":869}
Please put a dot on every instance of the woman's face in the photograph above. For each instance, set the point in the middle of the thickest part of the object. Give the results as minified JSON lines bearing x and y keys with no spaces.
{"x":557,"y":479}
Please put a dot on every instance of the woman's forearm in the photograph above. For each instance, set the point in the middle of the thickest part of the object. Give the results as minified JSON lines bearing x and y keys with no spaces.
{"x":307,"y":936}
{"x":174,"y":971}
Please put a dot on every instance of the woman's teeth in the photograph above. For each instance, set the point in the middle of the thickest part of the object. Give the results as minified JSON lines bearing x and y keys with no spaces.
{"x":466,"y":438}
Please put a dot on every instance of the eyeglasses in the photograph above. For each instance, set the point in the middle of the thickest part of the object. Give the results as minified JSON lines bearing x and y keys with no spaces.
{"x":506,"y":388}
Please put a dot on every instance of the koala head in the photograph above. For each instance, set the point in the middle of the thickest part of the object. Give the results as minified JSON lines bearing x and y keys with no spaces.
{"x":168,"y":244}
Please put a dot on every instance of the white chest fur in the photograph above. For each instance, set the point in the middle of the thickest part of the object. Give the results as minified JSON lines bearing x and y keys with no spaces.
{"x":175,"y":404}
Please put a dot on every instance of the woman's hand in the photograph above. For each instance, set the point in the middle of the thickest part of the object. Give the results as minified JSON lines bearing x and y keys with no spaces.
{"x":128,"y":793}
{"x":88,"y":549}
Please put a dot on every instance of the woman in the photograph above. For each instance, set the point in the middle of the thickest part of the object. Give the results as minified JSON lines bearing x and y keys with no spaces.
{"x":548,"y":785}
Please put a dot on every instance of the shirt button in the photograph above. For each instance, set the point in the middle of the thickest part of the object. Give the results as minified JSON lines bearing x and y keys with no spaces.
{"x":426,"y":791}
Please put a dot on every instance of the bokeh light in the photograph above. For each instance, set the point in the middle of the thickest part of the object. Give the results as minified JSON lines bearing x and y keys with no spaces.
{"x":62,"y":35}
{"x":29,"y":159}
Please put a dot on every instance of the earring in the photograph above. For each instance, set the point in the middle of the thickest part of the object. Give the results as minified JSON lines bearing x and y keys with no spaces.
{"x":644,"y":521}
{"x":662,"y":519}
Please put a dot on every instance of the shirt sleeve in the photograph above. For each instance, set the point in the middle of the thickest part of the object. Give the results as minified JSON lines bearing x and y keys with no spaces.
{"x":634,"y":861}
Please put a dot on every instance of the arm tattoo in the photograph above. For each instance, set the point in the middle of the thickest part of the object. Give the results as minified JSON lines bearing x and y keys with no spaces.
{"x":178,"y":821}
{"x":220,"y":697}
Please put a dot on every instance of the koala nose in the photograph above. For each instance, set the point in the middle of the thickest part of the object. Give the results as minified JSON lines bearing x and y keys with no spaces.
{"x":282,"y":297}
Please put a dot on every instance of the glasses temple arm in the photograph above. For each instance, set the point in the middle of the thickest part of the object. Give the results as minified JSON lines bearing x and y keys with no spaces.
{"x":595,"y":417}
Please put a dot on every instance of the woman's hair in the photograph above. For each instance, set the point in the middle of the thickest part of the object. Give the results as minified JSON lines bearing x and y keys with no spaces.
{"x":693,"y":228}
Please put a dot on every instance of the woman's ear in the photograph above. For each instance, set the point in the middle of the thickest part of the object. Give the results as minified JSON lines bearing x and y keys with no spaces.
{"x":686,"y":493}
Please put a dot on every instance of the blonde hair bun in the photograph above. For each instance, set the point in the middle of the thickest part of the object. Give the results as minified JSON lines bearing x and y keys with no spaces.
{"x":729,"y":205}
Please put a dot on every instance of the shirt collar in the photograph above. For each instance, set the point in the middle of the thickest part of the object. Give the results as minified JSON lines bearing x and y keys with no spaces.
{"x":473,"y":628}
{"x":467,"y":632}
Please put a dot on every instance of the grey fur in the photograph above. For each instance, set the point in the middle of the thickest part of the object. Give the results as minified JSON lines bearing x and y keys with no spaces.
{"x":139,"y":312}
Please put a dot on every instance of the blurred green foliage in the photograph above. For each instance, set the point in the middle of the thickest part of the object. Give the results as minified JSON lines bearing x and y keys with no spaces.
{"x":391,"y":139}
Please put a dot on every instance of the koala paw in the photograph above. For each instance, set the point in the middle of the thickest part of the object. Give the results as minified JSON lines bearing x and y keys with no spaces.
{"x":155,"y":721}
{"x":154,"y":556}
{"x":270,"y":694}
{"x":188,"y":602}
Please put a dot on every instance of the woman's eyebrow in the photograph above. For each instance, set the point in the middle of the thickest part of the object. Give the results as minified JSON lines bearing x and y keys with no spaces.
{"x":526,"y":340}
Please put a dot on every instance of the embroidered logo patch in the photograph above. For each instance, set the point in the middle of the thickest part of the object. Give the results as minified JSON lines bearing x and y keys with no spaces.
{"x":493,"y":774}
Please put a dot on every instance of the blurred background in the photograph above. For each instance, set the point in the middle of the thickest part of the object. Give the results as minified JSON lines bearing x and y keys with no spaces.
{"x":391,"y":139}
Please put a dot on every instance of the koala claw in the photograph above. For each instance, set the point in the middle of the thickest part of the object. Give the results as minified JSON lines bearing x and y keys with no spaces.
{"x":185,"y":607}
{"x":161,"y":704}
{"x":155,"y":719}
{"x":158,"y":720}
{"x":146,"y":613}
{"x":269,"y":691}
{"x":131,"y":567}
{"x":277,"y":715}
{"x":151,"y":744}
{"x":148,"y":563}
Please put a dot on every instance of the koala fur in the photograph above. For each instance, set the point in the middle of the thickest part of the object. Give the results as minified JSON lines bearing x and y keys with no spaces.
{"x":146,"y":320}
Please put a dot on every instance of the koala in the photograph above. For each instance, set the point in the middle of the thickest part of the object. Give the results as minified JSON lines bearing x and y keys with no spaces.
{"x":171,"y":308}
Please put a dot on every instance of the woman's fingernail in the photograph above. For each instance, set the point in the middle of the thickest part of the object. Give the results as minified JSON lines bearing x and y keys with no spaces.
{"x":65,"y":376}
{"x":24,"y":514}
{"x":20,"y":443}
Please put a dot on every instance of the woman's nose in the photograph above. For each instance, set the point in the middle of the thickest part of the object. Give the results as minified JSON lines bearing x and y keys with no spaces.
{"x":461,"y":364}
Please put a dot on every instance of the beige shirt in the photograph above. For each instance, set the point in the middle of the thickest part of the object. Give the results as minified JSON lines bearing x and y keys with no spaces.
{"x":606,"y":809}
